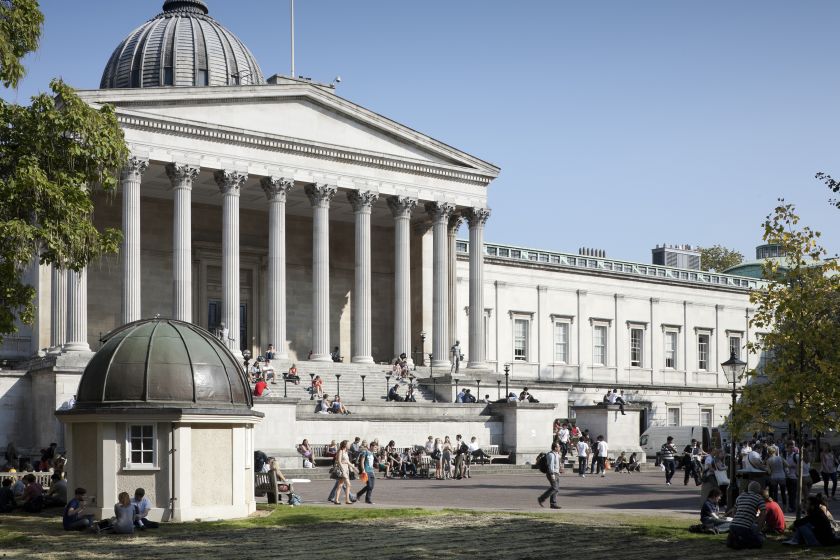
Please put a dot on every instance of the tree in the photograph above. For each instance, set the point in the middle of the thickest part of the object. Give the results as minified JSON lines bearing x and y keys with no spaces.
{"x":20,"y":30}
{"x":54,"y":154}
{"x":832,"y":184}
{"x":799,"y":314}
{"x":719,"y":258}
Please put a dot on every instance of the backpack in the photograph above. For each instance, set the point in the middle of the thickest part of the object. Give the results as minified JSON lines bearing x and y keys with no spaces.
{"x":295,"y":500}
{"x":542,"y":462}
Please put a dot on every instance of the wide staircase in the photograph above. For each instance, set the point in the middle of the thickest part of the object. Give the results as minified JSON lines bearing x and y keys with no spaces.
{"x":345,"y":379}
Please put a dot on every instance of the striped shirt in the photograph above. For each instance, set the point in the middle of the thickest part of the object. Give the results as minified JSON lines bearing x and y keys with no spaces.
{"x":668,"y":452}
{"x":746,"y":507}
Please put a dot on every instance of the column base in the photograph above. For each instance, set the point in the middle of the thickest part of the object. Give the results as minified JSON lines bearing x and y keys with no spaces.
{"x":362,"y":360}
{"x":477,"y":365}
{"x":441,"y":364}
{"x":76,"y":347}
{"x":320,"y":358}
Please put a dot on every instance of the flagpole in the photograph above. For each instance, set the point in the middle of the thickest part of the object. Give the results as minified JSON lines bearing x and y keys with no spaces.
{"x":292,"y":21}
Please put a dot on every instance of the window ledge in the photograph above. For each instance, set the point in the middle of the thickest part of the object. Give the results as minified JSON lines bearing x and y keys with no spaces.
{"x":140,"y":468}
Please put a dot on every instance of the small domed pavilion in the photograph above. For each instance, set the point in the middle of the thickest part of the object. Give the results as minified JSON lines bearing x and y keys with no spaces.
{"x":164,"y":405}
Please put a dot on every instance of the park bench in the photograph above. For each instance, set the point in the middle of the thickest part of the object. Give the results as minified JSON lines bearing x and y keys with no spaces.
{"x":267,"y":484}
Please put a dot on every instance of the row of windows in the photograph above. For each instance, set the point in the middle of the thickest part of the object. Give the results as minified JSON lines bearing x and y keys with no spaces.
{"x":674,"y":416}
{"x":600,"y":337}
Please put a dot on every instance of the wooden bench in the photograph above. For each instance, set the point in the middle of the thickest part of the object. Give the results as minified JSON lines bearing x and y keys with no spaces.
{"x":267,"y":483}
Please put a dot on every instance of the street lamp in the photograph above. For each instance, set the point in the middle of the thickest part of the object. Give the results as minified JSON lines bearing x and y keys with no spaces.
{"x":498,"y":389}
{"x":434,"y":381}
{"x":478,"y":389}
{"x":363,"y":385}
{"x":311,"y":386}
{"x":507,"y":376}
{"x":422,"y":344}
{"x":387,"y":384}
{"x":733,"y":369}
{"x":338,"y":384}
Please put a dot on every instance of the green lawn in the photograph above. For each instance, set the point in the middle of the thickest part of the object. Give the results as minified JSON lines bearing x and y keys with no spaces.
{"x":338,"y":532}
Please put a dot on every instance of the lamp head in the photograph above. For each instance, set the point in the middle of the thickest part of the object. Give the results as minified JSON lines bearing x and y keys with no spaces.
{"x":733,"y":368}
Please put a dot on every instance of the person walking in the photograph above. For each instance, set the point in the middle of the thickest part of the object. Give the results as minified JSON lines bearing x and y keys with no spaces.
{"x":563,"y":437}
{"x":582,"y":451}
{"x":553,"y":476}
{"x":366,"y":466}
{"x":342,"y":463}
{"x":668,"y":452}
{"x":828,"y":470}
{"x":603,"y":449}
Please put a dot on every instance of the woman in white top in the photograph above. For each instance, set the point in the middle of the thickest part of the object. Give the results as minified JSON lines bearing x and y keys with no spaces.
{"x":778,"y":475}
{"x":828,"y":470}
{"x":437,"y":456}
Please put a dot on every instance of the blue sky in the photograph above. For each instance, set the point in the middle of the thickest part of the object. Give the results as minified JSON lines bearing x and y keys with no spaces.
{"x":618,"y":125}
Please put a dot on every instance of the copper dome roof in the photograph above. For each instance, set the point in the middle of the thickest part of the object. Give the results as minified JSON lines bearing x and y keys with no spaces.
{"x":182,"y":46}
{"x":158,"y":362}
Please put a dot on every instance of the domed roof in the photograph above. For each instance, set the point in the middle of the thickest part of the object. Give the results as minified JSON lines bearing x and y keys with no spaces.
{"x":156,"y":363}
{"x":182,"y":46}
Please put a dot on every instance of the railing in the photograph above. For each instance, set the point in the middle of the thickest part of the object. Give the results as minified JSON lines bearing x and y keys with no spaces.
{"x":624,"y":268}
{"x":42,"y":478}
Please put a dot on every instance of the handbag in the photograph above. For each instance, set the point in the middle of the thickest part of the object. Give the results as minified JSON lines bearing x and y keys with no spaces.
{"x":335,"y":472}
{"x":721,"y":477}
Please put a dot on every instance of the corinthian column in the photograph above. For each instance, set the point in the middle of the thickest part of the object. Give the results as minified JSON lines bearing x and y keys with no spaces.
{"x":440,"y":213}
{"x":131,"y":175}
{"x":77,"y":312}
{"x":181,"y":176}
{"x":58,"y":323}
{"x":401,"y":207}
{"x":230,"y":182}
{"x":452,"y":279}
{"x":320,"y":196}
{"x":362,"y":203}
{"x":276,"y":189}
{"x":477,"y":217}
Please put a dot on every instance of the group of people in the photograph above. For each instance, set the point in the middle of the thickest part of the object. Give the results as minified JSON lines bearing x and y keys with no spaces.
{"x":130,"y":514}
{"x":327,"y":406}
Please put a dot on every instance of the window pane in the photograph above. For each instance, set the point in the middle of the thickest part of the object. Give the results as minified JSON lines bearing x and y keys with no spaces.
{"x":148,"y":458}
{"x":136,"y":431}
{"x":520,"y":340}
{"x":561,"y":342}
{"x":136,"y":457}
{"x":703,"y":352}
{"x":671,"y":350}
{"x":735,"y":346}
{"x":599,"y":344}
{"x":636,"y":345}
{"x":147,"y":431}
{"x":673,"y":416}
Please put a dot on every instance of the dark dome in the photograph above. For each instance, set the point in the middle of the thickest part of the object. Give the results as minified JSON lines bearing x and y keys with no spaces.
{"x":182,"y":46}
{"x":163,"y":363}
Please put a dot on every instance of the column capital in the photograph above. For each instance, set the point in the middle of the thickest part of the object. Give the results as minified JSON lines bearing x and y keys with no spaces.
{"x":402,"y":206}
{"x":230,"y":181}
{"x":440,"y":210}
{"x":276,"y":188}
{"x":134,"y":167}
{"x":477,"y":217}
{"x":181,"y":175}
{"x":362,"y":200}
{"x":320,"y":194}
{"x":455,"y":221}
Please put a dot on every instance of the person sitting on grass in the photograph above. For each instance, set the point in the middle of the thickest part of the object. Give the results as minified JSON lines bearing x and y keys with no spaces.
{"x":33,"y":495}
{"x":57,"y":495}
{"x":142,"y":507}
{"x":7,"y":497}
{"x":123,"y":520}
{"x":775,"y":524}
{"x":815,"y":528}
{"x":745,"y":529}
{"x":75,"y":518}
{"x":710,"y":515}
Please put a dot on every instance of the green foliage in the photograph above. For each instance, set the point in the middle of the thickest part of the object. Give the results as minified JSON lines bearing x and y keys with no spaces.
{"x":719,"y":258}
{"x":832,"y":184}
{"x":800,"y":313}
{"x":20,"y":30}
{"x":53,"y":154}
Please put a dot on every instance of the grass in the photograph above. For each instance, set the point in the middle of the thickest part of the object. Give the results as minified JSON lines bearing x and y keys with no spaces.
{"x":9,"y":537}
{"x":286,"y":516}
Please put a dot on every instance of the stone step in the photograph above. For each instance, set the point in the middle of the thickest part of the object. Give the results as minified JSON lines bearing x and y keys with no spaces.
{"x":348,"y":386}
{"x":323,"y":473}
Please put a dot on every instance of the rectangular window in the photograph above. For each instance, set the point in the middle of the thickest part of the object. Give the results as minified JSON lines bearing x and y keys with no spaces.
{"x":671,"y":350}
{"x":141,"y":446}
{"x":561,"y":342}
{"x":673,"y":416}
{"x":637,"y":347}
{"x":703,"y":352}
{"x":520,"y":340}
{"x":599,"y":345}
{"x":572,"y":409}
{"x":706,"y":417}
{"x":735,"y":346}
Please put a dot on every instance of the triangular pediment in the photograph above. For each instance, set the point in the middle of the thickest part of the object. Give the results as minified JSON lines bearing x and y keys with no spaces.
{"x":303,"y":113}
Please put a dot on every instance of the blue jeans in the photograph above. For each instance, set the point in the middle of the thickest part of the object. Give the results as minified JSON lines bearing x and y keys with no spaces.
{"x":334,"y":490}
{"x":368,"y":489}
{"x":670,"y":469}
{"x":582,"y":465}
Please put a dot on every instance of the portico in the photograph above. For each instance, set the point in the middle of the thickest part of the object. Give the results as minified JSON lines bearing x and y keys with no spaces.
{"x":311,"y":240}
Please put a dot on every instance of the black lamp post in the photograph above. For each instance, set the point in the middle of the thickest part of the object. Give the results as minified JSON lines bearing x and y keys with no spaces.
{"x":285,"y":386}
{"x":338,"y":384}
{"x":311,"y":386}
{"x":478,"y":389}
{"x":422,"y":346}
{"x":387,"y":384}
{"x":733,"y":369}
{"x":434,"y":381}
{"x":363,"y":385}
{"x":507,"y":376}
{"x":456,"y":388}
{"x":498,"y":389}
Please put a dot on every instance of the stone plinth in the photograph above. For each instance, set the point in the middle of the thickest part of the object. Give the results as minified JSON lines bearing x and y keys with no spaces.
{"x":527,"y":428}
{"x":620,"y":431}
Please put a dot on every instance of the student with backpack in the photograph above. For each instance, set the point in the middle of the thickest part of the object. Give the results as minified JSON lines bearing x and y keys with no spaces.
{"x":550,"y":465}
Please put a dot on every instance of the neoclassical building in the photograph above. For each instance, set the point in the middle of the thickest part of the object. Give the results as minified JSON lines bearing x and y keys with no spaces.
{"x":273,"y":211}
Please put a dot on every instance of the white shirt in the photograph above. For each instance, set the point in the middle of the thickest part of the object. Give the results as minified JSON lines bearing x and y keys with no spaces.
{"x":143,"y":506}
{"x":602,"y":449}
{"x":613,"y":397}
{"x":582,"y":448}
{"x":563,"y":435}
{"x":474,"y":446}
{"x":430,"y":446}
